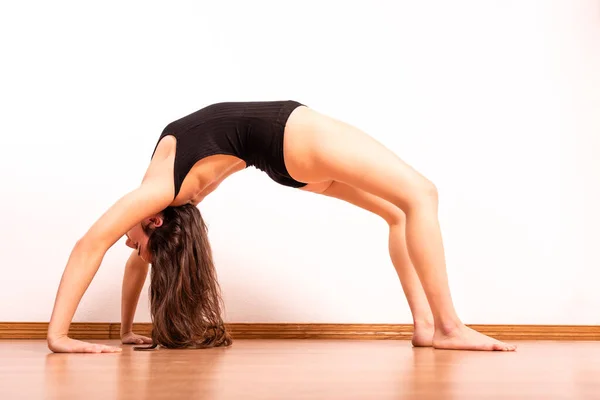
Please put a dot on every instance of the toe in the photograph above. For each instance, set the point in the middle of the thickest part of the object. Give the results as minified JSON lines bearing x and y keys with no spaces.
{"x":508,"y":347}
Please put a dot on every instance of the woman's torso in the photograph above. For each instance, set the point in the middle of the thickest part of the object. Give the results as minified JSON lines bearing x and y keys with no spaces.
{"x":197,"y":152}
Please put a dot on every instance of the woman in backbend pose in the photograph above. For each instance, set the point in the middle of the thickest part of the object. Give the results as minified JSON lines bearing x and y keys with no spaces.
{"x":296,"y":146}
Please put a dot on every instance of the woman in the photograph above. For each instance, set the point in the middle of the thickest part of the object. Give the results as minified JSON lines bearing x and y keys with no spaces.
{"x":296,"y":146}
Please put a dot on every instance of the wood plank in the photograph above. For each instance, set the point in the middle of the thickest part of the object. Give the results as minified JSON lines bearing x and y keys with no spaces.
{"x":302,"y":370}
{"x":107,"y":330}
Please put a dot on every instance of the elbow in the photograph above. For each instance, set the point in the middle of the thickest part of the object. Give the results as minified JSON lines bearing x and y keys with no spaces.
{"x":83,"y":244}
{"x":90,"y":241}
{"x":88,"y":246}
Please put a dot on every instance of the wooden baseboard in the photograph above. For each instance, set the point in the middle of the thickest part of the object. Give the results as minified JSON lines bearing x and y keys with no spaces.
{"x":101,"y":330}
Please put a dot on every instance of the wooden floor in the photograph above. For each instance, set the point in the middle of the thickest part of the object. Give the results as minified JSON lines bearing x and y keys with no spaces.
{"x":303,"y":369}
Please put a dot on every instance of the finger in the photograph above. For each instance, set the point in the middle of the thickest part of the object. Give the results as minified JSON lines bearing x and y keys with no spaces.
{"x":108,"y":349}
{"x":88,"y":348}
{"x":111,"y":350}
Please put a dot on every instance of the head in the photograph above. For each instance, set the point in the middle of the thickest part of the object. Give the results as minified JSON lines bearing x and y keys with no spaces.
{"x":185,"y":297}
{"x":137,"y":238}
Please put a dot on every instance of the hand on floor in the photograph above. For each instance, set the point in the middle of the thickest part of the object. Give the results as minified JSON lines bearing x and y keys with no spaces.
{"x":67,"y":345}
{"x":132,"y":338}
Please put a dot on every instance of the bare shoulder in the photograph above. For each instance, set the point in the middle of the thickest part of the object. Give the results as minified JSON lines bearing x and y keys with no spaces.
{"x":165,"y":147}
{"x":163,"y":161}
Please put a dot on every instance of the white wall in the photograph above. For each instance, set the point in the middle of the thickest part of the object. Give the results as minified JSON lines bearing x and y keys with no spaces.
{"x":496,"y":102}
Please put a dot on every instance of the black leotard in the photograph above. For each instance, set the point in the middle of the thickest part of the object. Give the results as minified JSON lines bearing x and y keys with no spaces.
{"x":251,"y":131}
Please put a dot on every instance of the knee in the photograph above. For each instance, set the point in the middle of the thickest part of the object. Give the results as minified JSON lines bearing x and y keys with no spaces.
{"x":429,"y":191}
{"x":396,"y":217}
{"x":423,"y":192}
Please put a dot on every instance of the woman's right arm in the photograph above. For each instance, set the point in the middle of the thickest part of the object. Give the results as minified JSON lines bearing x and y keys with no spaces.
{"x":134,"y":277}
{"x":84,"y":261}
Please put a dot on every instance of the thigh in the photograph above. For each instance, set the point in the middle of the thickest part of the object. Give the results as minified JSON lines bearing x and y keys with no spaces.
{"x":367,"y":201}
{"x":321,"y":148}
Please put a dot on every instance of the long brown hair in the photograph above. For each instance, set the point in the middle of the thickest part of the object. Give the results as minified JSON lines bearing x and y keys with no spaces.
{"x":185,"y":296}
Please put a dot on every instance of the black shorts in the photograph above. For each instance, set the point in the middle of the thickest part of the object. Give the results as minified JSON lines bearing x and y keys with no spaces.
{"x":273,"y":163}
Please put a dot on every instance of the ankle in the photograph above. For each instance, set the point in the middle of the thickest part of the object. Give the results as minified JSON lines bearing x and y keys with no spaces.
{"x":424,"y":323}
{"x":449,"y":326}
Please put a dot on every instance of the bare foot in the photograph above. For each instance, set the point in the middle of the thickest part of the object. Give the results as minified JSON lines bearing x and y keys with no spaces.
{"x":423,"y":335}
{"x":465,"y":338}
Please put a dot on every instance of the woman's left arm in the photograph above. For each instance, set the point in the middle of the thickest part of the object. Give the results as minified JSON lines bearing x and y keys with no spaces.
{"x":87,"y":254}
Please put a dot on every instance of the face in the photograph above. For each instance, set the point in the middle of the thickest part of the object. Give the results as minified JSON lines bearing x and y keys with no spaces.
{"x":137,"y":239}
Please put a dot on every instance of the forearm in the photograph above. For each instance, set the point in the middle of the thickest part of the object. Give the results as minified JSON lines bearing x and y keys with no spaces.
{"x":82,"y":265}
{"x":134,"y":277}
